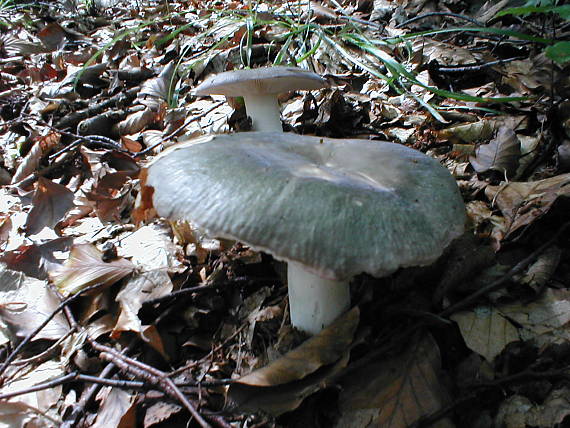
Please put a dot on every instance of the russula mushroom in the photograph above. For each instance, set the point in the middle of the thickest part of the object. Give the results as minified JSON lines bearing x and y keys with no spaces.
{"x":259,"y":88}
{"x":330,"y":208}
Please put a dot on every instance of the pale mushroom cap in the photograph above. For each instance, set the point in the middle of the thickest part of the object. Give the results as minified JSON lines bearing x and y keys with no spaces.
{"x":339,"y":207}
{"x":256,"y":81}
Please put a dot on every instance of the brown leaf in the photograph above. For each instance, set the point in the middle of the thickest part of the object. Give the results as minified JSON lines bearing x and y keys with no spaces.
{"x":522,"y":203}
{"x":30,"y":163}
{"x":501,"y":154}
{"x":117,"y":409}
{"x":50,"y":203}
{"x":34,"y":260}
{"x":545,"y":321}
{"x":394,"y":393}
{"x":485,"y":331}
{"x":30,"y":409}
{"x":52,"y":36}
{"x":144,"y":210}
{"x":160,"y":411}
{"x":283,"y":384}
{"x":109,"y":195}
{"x":85,"y":267}
{"x":151,"y":249}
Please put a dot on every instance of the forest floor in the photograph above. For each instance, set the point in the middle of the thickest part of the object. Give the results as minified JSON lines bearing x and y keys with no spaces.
{"x":110,"y":317}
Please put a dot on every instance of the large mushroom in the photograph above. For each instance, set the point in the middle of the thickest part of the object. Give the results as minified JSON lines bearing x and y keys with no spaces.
{"x":330,"y":208}
{"x":259,"y":88}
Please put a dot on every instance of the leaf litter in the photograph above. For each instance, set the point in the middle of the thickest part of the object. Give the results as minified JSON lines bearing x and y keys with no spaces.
{"x":162,"y":325}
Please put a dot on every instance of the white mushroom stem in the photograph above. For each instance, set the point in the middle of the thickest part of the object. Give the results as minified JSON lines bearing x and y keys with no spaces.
{"x":264,"y":112}
{"x":315,"y":302}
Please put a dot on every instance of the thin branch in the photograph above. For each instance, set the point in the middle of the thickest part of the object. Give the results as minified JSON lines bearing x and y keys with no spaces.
{"x":519,"y":267}
{"x":472,"y":68}
{"x":212,"y":352}
{"x":41,"y":386}
{"x":151,"y":375}
{"x":39,"y":328}
{"x":454,"y":15}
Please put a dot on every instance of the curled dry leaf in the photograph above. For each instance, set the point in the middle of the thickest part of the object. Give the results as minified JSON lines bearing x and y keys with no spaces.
{"x":32,"y":160}
{"x":501,"y":154}
{"x":160,"y":86}
{"x":85,"y":267}
{"x":283,"y":384}
{"x":522,"y":203}
{"x":136,"y":122}
{"x":152,"y":250}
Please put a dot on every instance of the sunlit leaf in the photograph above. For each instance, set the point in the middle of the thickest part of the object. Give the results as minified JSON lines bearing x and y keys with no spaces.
{"x":27,"y":302}
{"x":85,"y":267}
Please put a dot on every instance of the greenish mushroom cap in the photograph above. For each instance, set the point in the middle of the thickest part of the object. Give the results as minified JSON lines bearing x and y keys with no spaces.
{"x":339,"y":207}
{"x":263,"y":80}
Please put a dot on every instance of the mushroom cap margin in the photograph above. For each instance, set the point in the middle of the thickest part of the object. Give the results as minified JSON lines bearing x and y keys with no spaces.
{"x":339,"y":207}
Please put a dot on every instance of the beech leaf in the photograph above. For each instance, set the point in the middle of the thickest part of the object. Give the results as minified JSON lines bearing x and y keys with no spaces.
{"x":397,"y":392}
{"x":51,"y":202}
{"x":485,"y":331}
{"x":501,"y":154}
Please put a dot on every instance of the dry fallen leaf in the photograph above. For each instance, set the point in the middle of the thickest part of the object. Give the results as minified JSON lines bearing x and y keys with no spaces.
{"x":85,"y":267}
{"x":34,"y":409}
{"x":151,"y":249}
{"x":540,"y":272}
{"x":519,"y":412}
{"x":485,"y":331}
{"x":117,"y":409}
{"x":50,"y":203}
{"x":395,"y":393}
{"x":522,"y":203}
{"x":501,"y":154}
{"x":283,"y":384}
{"x":27,"y":302}
{"x":545,"y":320}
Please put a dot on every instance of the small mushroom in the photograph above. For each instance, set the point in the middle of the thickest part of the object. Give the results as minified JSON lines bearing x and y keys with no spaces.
{"x":330,"y":208}
{"x":259,"y":88}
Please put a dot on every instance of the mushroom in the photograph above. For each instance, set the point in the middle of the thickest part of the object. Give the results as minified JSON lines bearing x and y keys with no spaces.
{"x":330,"y":208}
{"x":259,"y":88}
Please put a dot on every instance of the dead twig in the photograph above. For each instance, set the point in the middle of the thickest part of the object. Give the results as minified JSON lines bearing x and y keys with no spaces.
{"x":454,"y":15}
{"x":212,"y":352}
{"x":472,"y":68}
{"x":39,"y":328}
{"x":150,"y":375}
